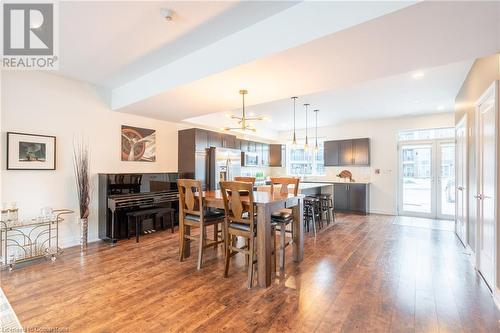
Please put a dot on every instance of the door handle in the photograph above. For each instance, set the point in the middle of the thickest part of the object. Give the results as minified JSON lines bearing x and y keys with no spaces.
{"x":460,"y":188}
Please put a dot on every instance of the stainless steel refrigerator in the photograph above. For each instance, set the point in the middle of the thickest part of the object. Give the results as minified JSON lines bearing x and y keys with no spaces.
{"x":223,"y":164}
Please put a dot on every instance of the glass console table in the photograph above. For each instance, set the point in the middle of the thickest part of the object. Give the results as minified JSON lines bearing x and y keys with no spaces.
{"x":25,"y":240}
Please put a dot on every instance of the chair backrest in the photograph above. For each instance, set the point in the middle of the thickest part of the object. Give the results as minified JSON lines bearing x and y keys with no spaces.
{"x":245,"y":179}
{"x":238,"y":202}
{"x":285,"y":182}
{"x":188,"y":202}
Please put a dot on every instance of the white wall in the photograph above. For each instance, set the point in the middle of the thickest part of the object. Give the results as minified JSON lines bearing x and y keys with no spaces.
{"x":384,"y":155}
{"x":42,"y":103}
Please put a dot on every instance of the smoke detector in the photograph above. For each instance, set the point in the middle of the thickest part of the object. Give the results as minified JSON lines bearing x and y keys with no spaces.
{"x":167,"y":14}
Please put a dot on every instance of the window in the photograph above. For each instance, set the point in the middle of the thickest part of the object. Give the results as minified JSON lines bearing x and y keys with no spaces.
{"x":426,"y":134}
{"x":301,"y":162}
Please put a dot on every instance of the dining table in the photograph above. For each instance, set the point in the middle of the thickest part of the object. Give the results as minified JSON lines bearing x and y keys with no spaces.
{"x":266,"y":203}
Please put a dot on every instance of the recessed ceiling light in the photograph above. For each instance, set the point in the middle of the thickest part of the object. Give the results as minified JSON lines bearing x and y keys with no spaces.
{"x":418,"y":75}
{"x":440,"y":108}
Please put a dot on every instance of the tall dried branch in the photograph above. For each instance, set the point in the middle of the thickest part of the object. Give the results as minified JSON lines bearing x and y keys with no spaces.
{"x":82,"y":174}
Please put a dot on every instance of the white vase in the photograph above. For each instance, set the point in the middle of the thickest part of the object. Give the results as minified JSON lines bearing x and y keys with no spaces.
{"x":84,"y":233}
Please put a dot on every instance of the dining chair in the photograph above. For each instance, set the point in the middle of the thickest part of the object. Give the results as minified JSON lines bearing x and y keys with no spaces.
{"x":245,"y":179}
{"x":192,"y":214}
{"x":240,"y":221}
{"x":283,"y":217}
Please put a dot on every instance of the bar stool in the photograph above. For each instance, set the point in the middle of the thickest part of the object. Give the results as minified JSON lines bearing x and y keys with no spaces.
{"x":192,"y":214}
{"x":239,"y":222}
{"x":283,"y":217}
{"x":311,"y":213}
{"x":245,"y":179}
{"x":326,"y":207}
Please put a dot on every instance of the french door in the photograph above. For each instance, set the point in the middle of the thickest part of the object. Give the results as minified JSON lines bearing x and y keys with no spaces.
{"x":461,"y":206}
{"x":427,"y":178}
{"x":486,"y":163}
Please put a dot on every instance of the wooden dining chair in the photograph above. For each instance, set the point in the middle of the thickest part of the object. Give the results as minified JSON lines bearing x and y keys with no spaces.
{"x":283,"y":217}
{"x":245,"y":179}
{"x":240,"y":222}
{"x":192,"y":214}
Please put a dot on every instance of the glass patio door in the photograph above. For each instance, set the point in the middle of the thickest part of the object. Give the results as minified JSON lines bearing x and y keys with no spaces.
{"x":446,"y":180}
{"x":427,"y":179}
{"x":416,"y":180}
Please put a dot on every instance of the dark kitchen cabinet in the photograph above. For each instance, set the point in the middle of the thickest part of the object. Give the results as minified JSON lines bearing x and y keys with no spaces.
{"x":347,"y":152}
{"x":237,"y":143}
{"x":341,"y":197}
{"x":214,"y":139}
{"x":351,"y":198}
{"x":331,"y":153}
{"x":201,"y":138}
{"x":277,"y":155}
{"x":229,"y":141}
{"x":361,"y":151}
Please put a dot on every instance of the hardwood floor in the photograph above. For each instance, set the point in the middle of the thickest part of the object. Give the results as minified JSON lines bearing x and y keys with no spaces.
{"x":365,"y":274}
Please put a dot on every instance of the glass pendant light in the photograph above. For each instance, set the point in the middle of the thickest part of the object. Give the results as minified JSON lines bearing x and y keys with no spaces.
{"x":294,"y":140}
{"x":316,"y":147}
{"x":306,"y":145}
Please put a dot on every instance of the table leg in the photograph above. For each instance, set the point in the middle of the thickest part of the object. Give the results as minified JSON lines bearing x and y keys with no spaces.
{"x":298,"y":231}
{"x":263,"y":245}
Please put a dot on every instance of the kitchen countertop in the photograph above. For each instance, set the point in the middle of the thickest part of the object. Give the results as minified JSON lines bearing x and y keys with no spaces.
{"x":331,"y":182}
{"x":308,"y":185}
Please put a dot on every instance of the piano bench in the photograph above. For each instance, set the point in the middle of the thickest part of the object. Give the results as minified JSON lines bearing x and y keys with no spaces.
{"x":140,"y":215}
{"x":162,"y":213}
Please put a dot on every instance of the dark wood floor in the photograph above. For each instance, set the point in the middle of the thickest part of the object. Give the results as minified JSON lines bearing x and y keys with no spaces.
{"x":364,"y":274}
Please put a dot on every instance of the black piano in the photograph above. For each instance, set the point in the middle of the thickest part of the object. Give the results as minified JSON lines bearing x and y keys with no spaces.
{"x":125,"y":192}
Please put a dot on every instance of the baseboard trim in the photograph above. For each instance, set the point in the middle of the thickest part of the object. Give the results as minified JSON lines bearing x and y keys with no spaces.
{"x":380,"y":212}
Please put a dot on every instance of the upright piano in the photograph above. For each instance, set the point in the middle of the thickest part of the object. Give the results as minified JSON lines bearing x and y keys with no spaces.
{"x":125,"y":192}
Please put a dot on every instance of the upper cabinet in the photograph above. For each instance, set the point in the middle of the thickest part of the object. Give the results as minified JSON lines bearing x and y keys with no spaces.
{"x":277,"y":155}
{"x":331,"y":153}
{"x":361,"y":151}
{"x":347,"y":152}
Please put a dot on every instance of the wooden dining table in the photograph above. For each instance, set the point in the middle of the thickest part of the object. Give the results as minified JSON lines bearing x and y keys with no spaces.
{"x":266,"y":203}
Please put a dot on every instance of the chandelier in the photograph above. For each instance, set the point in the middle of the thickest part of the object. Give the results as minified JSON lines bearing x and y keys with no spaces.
{"x":244,"y":122}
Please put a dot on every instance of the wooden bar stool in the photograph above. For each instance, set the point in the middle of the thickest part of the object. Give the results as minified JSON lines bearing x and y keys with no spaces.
{"x":283,"y":217}
{"x":245,"y":179}
{"x":193,"y":215}
{"x":240,"y":222}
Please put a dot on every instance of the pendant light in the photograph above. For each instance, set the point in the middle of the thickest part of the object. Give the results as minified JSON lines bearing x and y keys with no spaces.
{"x":316,"y":147}
{"x":306,"y":145}
{"x":294,"y":140}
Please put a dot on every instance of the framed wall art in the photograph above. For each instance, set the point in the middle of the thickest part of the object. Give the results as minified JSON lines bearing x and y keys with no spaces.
{"x":138,"y":144}
{"x":30,"y":151}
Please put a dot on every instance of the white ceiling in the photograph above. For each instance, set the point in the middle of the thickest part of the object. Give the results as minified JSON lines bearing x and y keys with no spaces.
{"x":109,"y":43}
{"x":419,"y":37}
{"x":395,"y":96}
{"x":353,"y":60}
